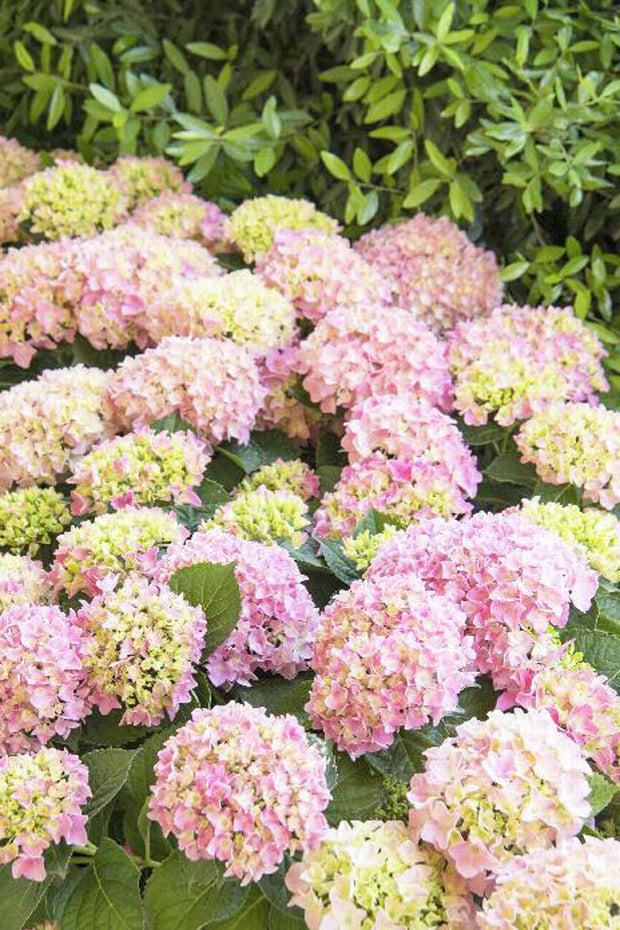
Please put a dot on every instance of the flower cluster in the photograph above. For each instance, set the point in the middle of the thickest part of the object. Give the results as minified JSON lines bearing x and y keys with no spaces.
{"x":585,"y":705}
{"x":363,"y":548}
{"x":405,"y":489}
{"x":404,"y":427}
{"x":46,"y":424}
{"x":575,"y":444}
{"x":521,"y":359}
{"x":36,"y":310}
{"x":31,"y":518}
{"x":213,"y":384}
{"x":319,"y":272}
{"x":253,"y":225}
{"x":575,"y":886}
{"x":264,"y":516}
{"x":278,"y":621}
{"x":498,"y":789}
{"x":143,"y":467}
{"x":118,"y":276}
{"x":593,"y":532}
{"x":437,"y":273}
{"x":184,"y":216}
{"x":237,"y":305}
{"x":113,"y":544}
{"x":239,"y":786}
{"x":356,"y":352}
{"x":514,"y":580}
{"x":142,"y":642}
{"x":370,"y":875}
{"x":42,"y":689}
{"x":142,"y":178}
{"x":292,"y":475}
{"x":41,"y":801}
{"x":280,"y":376}
{"x":388,"y":654}
{"x":16,"y":162}
{"x":23,"y":581}
{"x":70,"y":200}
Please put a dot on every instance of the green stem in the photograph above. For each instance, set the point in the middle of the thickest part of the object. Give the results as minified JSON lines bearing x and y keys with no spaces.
{"x":88,"y":850}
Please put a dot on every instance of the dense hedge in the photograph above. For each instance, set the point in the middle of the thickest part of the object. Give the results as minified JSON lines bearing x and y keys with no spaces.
{"x":502,"y":115}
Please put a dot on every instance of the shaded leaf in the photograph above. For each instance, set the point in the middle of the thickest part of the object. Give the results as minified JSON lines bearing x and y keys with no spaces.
{"x":108,"y":770}
{"x":213,"y":587}
{"x":107,"y":896}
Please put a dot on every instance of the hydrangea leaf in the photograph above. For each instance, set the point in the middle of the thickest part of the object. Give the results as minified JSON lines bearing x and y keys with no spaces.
{"x":107,"y":897}
{"x":214,"y":588}
{"x":108,"y":770}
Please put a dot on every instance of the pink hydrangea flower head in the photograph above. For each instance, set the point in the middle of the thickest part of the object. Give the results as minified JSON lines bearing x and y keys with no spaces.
{"x":278,"y":620}
{"x":438,"y":274}
{"x":70,"y":200}
{"x":291,"y":475}
{"x":23,"y":581}
{"x":280,"y":375}
{"x":253,"y":225}
{"x":586,"y":707}
{"x":575,"y":444}
{"x":404,"y":489}
{"x":41,"y":800}
{"x":402,"y":425}
{"x":213,"y":384}
{"x":388,"y":655}
{"x":593,"y":532}
{"x":498,"y":789}
{"x":31,"y":518}
{"x":263,"y":515}
{"x":184,"y":216}
{"x":143,"y":467}
{"x":514,"y":580}
{"x":118,"y":276}
{"x":370,"y":874}
{"x":49,"y":422}
{"x":92,"y":556}
{"x":16,"y":162}
{"x":142,"y":643}
{"x":42,"y":687}
{"x":520,"y":359}
{"x":36,"y":310}
{"x":358,"y":352}
{"x":238,"y":306}
{"x":575,"y":886}
{"x":145,"y":177}
{"x":319,"y":272}
{"x":241,"y":787}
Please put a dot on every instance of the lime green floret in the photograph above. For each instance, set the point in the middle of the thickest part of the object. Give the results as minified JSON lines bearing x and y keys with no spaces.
{"x":595,"y":533}
{"x":395,"y":805}
{"x":362,"y":549}
{"x":253,"y":224}
{"x":263,"y":516}
{"x":32,"y":517}
{"x":293,"y":475}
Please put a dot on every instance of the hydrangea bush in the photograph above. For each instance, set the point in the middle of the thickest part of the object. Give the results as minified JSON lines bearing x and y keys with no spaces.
{"x":309,"y":562}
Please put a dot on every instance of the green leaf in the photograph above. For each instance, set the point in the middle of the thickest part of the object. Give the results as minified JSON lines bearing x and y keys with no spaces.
{"x":253,"y":915}
{"x":264,"y":161}
{"x":216,"y":99}
{"x":56,"y":107}
{"x":442,"y":164}
{"x":175,"y":56}
{"x":330,"y":452}
{"x":270,"y":118}
{"x":19,"y":897}
{"x":107,"y":773}
{"x":514,"y":271}
{"x":335,"y":166}
{"x":421,"y":192}
{"x":329,"y":476}
{"x":362,"y":164}
{"x":214,"y":588}
{"x":388,"y":106}
{"x":207,"y":50}
{"x":482,"y":435}
{"x":188,"y":895}
{"x":357,"y":792}
{"x":103,"y":65}
{"x":261,"y":83}
{"x":150,"y":97}
{"x":40,"y":33}
{"x":280,"y":921}
{"x":105,"y":97}
{"x":602,"y":792}
{"x":602,"y":651}
{"x":331,"y":550}
{"x":100,"y":730}
{"x":277,"y":695}
{"x":508,"y":468}
{"x":107,"y":897}
{"x":445,"y":21}
{"x":171,"y":424}
{"x":24,"y":58}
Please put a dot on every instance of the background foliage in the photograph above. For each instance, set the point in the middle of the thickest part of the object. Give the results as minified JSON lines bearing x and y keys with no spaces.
{"x":505,"y":116}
